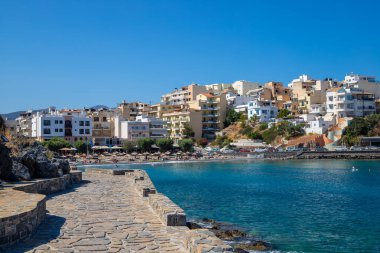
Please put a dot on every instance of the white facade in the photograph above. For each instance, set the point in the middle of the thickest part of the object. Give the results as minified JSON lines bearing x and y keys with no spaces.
{"x":302,"y":78}
{"x":218,"y":87}
{"x":318,"y":109}
{"x":143,"y":127}
{"x":263,"y":109}
{"x":320,"y":125}
{"x":242,"y":87}
{"x":67,"y":124}
{"x":366,"y":83}
{"x":345,"y":102}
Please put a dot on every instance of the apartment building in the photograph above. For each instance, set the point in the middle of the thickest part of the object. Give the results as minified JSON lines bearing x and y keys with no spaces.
{"x":130,"y":110}
{"x":279,"y":93}
{"x":103,"y":130}
{"x":242,"y":86}
{"x":142,"y":127}
{"x":366,"y":83}
{"x":183,"y":95}
{"x":72,"y":125}
{"x":157,"y":110}
{"x":177,"y":120}
{"x":264,"y":110}
{"x":218,"y":87}
{"x":350,"y":102}
{"x":24,"y":124}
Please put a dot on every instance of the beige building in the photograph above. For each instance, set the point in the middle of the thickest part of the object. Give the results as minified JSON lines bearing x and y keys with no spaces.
{"x":103,"y":127}
{"x":242,"y":86}
{"x":183,"y":95}
{"x":280,"y":94}
{"x":129,"y":111}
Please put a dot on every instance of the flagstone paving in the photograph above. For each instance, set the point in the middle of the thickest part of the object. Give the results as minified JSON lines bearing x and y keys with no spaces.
{"x":106,"y":214}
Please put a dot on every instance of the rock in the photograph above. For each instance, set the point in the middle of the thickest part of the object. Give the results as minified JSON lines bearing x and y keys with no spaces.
{"x":230,"y":235}
{"x":19,"y":171}
{"x":253,"y":246}
{"x":5,"y":163}
{"x":192,"y":225}
{"x":63,"y":165}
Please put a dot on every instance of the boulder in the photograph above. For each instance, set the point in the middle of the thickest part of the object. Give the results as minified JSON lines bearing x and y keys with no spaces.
{"x":5,"y":163}
{"x":19,"y":171}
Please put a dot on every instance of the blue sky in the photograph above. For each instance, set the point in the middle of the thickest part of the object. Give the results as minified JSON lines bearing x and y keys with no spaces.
{"x":82,"y":53}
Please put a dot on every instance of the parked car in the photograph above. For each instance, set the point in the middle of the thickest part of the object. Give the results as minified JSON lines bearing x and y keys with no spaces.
{"x":260,"y":150}
{"x":244,"y":150}
{"x":356,"y":148}
{"x":321,"y":149}
{"x":226,"y":151}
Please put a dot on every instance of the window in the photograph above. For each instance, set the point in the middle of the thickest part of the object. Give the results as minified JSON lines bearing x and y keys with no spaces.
{"x":96,"y":119}
{"x":87,"y":131}
{"x":46,"y":130}
{"x":87,"y":123}
{"x":56,"y":130}
{"x":81,"y":131}
{"x":47,"y":122}
{"x":60,"y":130}
{"x":81,"y":123}
{"x":56,"y":121}
{"x":104,"y":118}
{"x":61,"y":122}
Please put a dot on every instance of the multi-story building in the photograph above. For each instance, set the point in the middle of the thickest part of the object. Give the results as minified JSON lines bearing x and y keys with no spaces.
{"x":183,"y":95}
{"x":24,"y":124}
{"x":366,"y":83}
{"x":260,"y":94}
{"x":218,"y":87}
{"x":350,"y":102}
{"x":103,"y":132}
{"x":72,"y":125}
{"x":320,"y":125}
{"x":157,"y":110}
{"x":264,"y":110}
{"x":142,"y":127}
{"x":280,"y":94}
{"x":213,"y":108}
{"x":318,"y":109}
{"x":242,"y":86}
{"x":130,"y":110}
{"x":177,"y":120}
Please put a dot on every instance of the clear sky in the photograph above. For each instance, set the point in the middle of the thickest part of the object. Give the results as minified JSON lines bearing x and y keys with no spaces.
{"x":83,"y":53}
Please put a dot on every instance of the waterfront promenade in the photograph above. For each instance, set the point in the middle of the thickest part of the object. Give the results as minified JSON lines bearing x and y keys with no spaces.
{"x":105,"y":214}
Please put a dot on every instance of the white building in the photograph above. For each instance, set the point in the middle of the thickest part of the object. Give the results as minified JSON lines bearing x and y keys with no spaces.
{"x":72,"y":125}
{"x":350,"y":102}
{"x":302,"y":78}
{"x":143,"y":127}
{"x":242,"y":87}
{"x":366,"y":83}
{"x":320,"y":125}
{"x":24,"y":124}
{"x":318,"y":109}
{"x":263,"y":109}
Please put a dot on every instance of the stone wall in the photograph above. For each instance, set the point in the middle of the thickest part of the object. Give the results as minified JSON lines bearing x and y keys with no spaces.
{"x":23,"y":207}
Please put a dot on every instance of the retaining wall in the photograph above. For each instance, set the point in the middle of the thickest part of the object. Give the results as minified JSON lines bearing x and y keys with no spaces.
{"x":23,"y":207}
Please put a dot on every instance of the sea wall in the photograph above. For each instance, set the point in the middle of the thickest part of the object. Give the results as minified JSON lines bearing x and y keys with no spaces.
{"x":170,"y":214}
{"x":23,"y":206}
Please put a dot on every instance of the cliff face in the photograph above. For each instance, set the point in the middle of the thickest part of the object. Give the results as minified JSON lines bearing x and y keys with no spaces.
{"x":32,"y":162}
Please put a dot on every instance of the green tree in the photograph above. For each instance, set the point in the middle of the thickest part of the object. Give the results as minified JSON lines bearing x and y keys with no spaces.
{"x":130,"y":146}
{"x":186,"y":145}
{"x":246,"y":130}
{"x":188,"y":131}
{"x":269,"y":135}
{"x":202,"y":142}
{"x":145,"y":144}
{"x":255,"y":135}
{"x":263,"y":126}
{"x":82,"y":146}
{"x":283,"y":113}
{"x":231,"y":117}
{"x":164,"y":144}
{"x":294,"y":131}
{"x":55,"y":144}
{"x":221,"y":141}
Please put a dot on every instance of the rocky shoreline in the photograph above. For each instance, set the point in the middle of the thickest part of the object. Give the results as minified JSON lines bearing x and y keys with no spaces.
{"x":236,"y":237}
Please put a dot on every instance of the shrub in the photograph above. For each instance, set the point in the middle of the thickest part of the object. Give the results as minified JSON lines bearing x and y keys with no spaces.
{"x":263,"y":126}
{"x":164,"y":144}
{"x":130,"y":146}
{"x":145,"y":144}
{"x":269,"y":135}
{"x":202,"y":142}
{"x":82,"y":146}
{"x":186,"y":145}
{"x":55,"y":144}
{"x":255,"y":135}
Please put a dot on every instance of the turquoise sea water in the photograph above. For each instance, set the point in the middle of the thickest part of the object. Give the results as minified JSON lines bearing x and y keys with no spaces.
{"x":298,"y":206}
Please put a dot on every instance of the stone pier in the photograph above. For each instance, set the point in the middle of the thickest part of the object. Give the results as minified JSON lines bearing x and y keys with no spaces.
{"x":113,"y":212}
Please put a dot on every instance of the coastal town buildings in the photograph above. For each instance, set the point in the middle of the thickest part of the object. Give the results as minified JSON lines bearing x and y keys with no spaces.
{"x":366,"y":83}
{"x":142,"y":127}
{"x":350,"y":102}
{"x":183,"y":95}
{"x":103,"y":129}
{"x":264,"y":110}
{"x":130,"y":110}
{"x":177,"y":121}
{"x":72,"y":125}
{"x":24,"y":124}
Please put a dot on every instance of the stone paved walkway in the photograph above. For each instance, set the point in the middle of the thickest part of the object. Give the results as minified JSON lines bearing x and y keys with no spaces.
{"x":104,"y":215}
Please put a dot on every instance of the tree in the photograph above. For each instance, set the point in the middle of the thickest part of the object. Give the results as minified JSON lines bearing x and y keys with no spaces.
{"x":246,"y":130}
{"x":130,"y":146}
{"x":186,"y":145}
{"x":55,"y":144}
{"x":283,"y":113}
{"x":269,"y":135}
{"x":202,"y":142}
{"x":294,"y":131}
{"x":221,"y":141}
{"x":232,"y":116}
{"x":164,"y":144}
{"x":263,"y":126}
{"x":82,"y":146}
{"x":255,"y":135}
{"x":145,"y":144}
{"x":188,"y":131}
